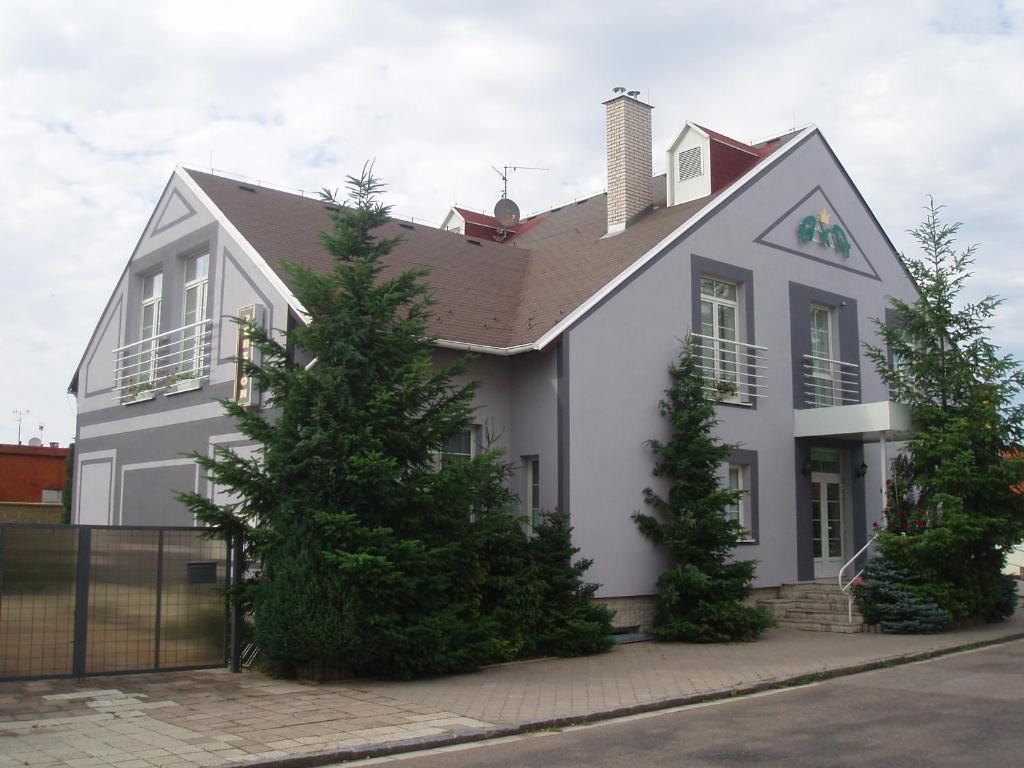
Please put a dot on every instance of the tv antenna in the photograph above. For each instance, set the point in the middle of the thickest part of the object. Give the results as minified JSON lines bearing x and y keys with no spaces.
{"x":18,"y":416}
{"x":504,"y":175}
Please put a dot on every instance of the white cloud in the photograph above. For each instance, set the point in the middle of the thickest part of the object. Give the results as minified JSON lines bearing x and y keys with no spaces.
{"x":102,"y":99}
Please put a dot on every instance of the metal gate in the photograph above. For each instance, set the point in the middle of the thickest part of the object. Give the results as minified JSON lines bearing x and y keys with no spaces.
{"x":80,"y":600}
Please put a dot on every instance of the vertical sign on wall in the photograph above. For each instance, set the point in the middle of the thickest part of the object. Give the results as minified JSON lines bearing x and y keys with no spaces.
{"x":245,"y":392}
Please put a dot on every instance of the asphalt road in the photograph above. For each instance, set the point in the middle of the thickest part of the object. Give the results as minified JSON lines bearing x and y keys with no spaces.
{"x":962,"y":710}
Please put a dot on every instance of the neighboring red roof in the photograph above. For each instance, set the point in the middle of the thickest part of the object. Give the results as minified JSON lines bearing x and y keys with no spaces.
{"x":482,"y":225}
{"x":497,"y":294}
{"x":27,"y":470}
{"x":735,"y":144}
{"x":478,"y":218}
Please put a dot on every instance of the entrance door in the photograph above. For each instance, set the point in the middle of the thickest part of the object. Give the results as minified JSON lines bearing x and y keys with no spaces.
{"x":826,"y":513}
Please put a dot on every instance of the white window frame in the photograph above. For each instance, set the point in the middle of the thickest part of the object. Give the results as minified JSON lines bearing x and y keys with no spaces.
{"x":147,"y":363}
{"x":719,"y":371}
{"x":532,"y":506}
{"x":740,"y":511}
{"x":824,"y":395}
{"x":443,"y":453}
{"x":192,"y":359}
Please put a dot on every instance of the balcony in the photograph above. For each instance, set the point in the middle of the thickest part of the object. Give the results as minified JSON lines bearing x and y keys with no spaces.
{"x":170,"y":362}
{"x":733,"y":370}
{"x":829,"y":383}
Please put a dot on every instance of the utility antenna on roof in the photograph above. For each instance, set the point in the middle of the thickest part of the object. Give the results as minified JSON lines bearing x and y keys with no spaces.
{"x":504,"y":175}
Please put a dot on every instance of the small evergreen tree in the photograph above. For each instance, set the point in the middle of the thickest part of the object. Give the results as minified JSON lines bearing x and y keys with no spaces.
{"x":700,"y":596}
{"x":571,"y":624}
{"x":892,"y":598}
{"x":953,"y":513}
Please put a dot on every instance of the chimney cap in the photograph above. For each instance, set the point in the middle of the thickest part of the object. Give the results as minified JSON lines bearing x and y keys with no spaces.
{"x":618,"y":90}
{"x":634,"y":94}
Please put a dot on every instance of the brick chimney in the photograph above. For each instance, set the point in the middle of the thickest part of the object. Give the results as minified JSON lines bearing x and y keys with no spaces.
{"x":629,"y":158}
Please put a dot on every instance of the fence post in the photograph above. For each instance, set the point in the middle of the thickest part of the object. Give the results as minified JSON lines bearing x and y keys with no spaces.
{"x":82,"y":600}
{"x":235,"y":543}
{"x":159,"y":596}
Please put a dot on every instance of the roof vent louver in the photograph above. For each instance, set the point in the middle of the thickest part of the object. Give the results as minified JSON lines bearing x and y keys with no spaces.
{"x":690,"y":166}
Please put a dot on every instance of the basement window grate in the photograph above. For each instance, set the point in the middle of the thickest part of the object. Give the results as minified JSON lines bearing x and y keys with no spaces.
{"x":690,"y":164}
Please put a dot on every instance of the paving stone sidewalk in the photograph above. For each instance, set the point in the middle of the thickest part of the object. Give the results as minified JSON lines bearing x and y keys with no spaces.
{"x":213,"y":718}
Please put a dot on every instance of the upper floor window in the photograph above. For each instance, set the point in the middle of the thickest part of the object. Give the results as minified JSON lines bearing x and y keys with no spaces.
{"x":193,"y":336}
{"x":823,"y":365}
{"x":148,"y":353}
{"x":719,"y":311}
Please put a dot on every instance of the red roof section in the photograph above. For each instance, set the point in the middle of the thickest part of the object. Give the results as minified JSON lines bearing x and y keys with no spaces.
{"x":482,"y":225}
{"x":26,"y":470}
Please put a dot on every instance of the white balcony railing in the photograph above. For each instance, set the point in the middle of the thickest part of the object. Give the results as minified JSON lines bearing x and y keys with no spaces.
{"x":733,"y":370}
{"x":830,"y":382}
{"x":173,"y":361}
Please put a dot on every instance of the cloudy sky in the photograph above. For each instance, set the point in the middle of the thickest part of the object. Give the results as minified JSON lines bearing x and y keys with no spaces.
{"x":100,"y":100}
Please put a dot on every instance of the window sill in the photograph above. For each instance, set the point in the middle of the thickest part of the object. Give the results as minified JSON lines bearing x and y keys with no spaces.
{"x":735,"y":403}
{"x":183,"y":386}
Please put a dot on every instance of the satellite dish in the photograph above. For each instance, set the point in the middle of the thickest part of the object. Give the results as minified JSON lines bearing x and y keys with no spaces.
{"x":506,"y":212}
{"x":35,"y":442}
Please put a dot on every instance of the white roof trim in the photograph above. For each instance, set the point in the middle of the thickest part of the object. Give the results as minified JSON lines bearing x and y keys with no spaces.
{"x":483,"y":349}
{"x":704,"y":213}
{"x":265,"y":269}
{"x":687,"y":126}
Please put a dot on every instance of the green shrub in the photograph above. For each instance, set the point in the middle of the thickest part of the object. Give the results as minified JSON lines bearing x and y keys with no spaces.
{"x":888,"y":596}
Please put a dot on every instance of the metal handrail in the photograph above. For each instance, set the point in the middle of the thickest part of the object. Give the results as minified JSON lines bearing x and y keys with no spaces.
{"x":846,"y":589}
{"x":830,"y":360}
{"x":161,"y":335}
{"x":730,"y":341}
{"x":746,"y":361}
{"x":835,"y":380}
{"x":180,"y":355}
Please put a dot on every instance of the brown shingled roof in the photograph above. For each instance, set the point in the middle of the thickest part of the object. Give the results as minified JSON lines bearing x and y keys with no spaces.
{"x":490,"y":294}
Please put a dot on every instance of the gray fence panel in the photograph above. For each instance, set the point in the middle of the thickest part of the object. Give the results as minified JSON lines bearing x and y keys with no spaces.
{"x":88,"y":600}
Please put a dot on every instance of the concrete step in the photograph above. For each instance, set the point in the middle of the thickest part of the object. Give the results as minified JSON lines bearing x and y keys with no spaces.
{"x":821,"y":617}
{"x":821,"y":602}
{"x":810,"y":588}
{"x":841,"y":629}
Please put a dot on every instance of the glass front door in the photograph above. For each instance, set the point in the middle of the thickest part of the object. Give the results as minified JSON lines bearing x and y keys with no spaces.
{"x":826,"y":513}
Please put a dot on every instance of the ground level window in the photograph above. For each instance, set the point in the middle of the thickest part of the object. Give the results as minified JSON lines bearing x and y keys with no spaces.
{"x":739,"y":480}
{"x":532,"y":464}
{"x":459,"y":448}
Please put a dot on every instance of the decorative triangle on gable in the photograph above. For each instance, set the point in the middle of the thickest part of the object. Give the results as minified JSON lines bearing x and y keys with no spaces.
{"x":175,"y":211}
{"x":813,"y":229}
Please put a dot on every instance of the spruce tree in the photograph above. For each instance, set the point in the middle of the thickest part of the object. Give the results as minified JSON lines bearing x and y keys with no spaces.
{"x":701,"y":596}
{"x":365,"y":543}
{"x":955,"y":512}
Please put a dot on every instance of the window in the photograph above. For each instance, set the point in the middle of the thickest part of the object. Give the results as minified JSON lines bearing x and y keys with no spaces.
{"x":147,"y":363}
{"x":52,"y":495}
{"x":823,"y":366}
{"x":459,"y":448}
{"x":719,"y":309}
{"x":532,"y":464}
{"x":193,"y":334}
{"x":739,"y":480}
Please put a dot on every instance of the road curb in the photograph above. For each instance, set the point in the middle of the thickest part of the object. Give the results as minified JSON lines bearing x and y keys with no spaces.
{"x":315,"y":759}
